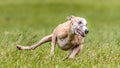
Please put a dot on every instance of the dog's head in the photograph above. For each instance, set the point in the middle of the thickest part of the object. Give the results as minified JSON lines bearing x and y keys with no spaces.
{"x":78,"y":25}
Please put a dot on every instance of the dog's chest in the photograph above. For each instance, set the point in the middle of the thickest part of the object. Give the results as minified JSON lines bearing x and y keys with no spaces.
{"x":76,"y":40}
{"x":67,"y":42}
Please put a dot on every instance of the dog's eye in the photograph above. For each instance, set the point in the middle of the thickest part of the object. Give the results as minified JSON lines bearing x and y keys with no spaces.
{"x":79,"y":22}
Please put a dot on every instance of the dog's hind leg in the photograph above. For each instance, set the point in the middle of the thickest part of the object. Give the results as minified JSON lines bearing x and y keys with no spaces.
{"x":53,"y":45}
{"x":43,"y":40}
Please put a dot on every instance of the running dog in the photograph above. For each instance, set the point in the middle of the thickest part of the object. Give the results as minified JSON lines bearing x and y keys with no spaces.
{"x":68,"y":35}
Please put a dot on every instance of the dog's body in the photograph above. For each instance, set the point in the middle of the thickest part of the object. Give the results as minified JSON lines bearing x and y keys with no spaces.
{"x":69,"y":36}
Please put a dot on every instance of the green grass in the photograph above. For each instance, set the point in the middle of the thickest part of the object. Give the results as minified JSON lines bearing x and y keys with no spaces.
{"x":27,"y":21}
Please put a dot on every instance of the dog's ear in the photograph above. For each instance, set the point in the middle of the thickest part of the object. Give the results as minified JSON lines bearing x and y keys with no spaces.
{"x":70,"y":17}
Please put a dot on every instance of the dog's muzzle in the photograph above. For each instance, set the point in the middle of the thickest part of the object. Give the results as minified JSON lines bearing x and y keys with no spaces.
{"x":80,"y":33}
{"x":83,"y":34}
{"x":86,"y":31}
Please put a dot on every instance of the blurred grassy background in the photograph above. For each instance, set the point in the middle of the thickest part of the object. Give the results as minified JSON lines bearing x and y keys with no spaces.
{"x":27,"y":21}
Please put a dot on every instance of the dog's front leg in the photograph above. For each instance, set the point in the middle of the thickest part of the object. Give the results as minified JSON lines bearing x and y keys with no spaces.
{"x":53,"y":43}
{"x":75,"y":51}
{"x":68,"y":54}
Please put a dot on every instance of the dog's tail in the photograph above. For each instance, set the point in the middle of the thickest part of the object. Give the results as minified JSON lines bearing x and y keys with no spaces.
{"x":43,"y":40}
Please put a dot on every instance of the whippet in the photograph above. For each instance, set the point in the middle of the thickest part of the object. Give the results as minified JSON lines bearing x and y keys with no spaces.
{"x":68,"y":35}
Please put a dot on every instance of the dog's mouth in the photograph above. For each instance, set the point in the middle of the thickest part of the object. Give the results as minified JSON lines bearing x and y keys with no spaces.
{"x":80,"y":32}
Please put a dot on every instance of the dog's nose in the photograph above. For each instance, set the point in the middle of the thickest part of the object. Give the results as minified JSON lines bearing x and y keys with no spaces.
{"x":86,"y":31}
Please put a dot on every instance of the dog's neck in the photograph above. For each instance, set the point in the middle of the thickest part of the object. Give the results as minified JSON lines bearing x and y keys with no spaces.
{"x":71,"y":33}
{"x":71,"y":36}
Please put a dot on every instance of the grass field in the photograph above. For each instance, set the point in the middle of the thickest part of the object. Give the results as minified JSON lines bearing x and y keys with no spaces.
{"x":27,"y":21}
